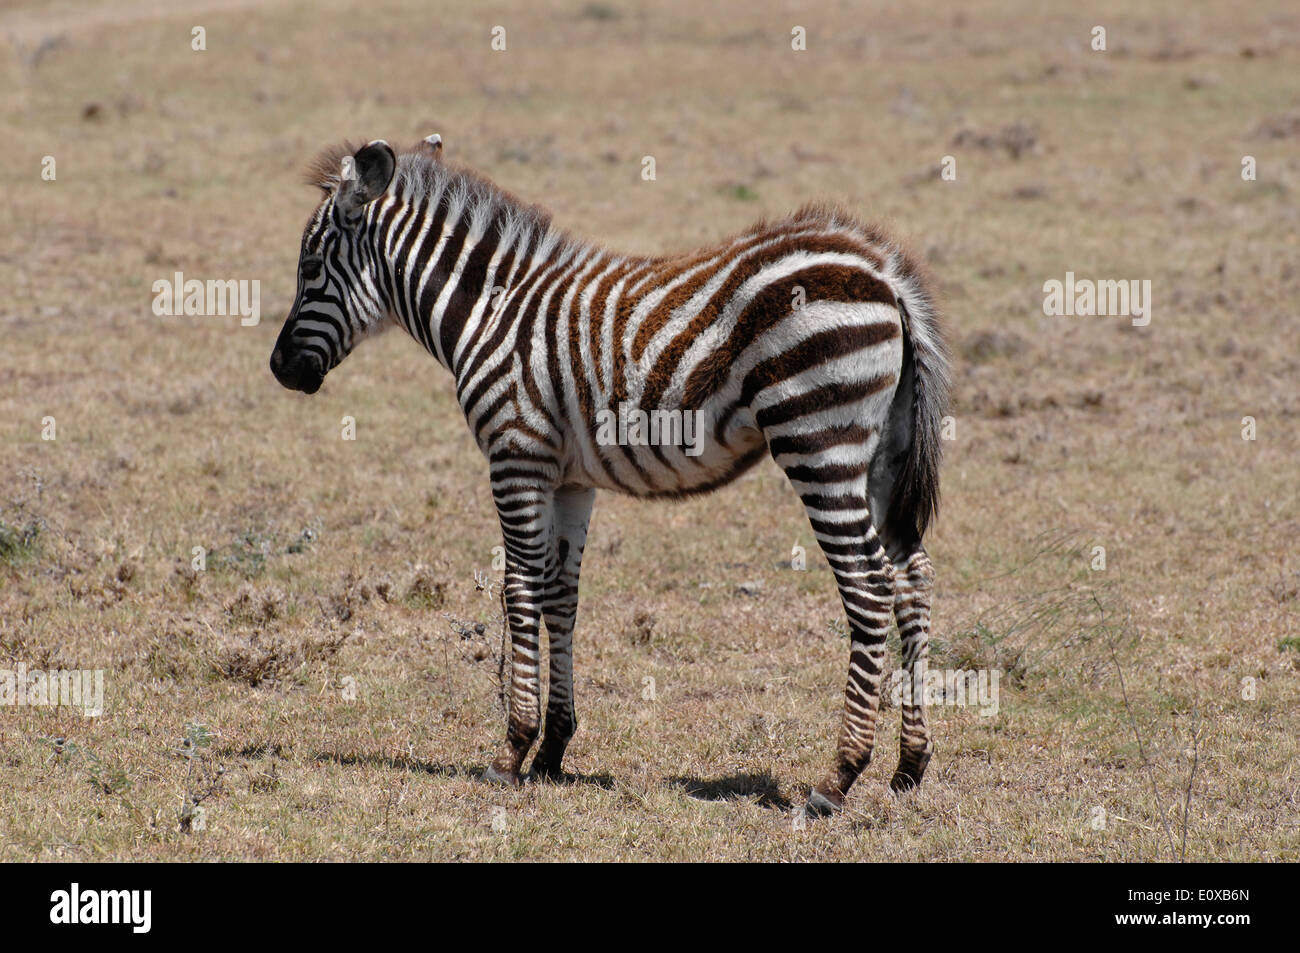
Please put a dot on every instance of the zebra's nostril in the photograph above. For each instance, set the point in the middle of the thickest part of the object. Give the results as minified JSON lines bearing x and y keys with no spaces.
{"x":277,"y":359}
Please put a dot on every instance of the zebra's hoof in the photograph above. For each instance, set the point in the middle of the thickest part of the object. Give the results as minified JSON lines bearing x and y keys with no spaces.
{"x":546,"y":770}
{"x":819,"y":805}
{"x":909,"y":774}
{"x":493,"y":776}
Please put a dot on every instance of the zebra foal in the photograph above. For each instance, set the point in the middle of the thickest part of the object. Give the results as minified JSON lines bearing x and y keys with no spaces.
{"x":813,"y":338}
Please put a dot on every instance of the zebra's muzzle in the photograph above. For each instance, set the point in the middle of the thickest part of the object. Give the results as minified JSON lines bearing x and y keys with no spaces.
{"x":302,"y":371}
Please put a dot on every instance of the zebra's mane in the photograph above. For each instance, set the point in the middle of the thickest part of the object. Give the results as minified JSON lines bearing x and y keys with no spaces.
{"x":423,"y":176}
{"x":420,"y":176}
{"x":323,"y":170}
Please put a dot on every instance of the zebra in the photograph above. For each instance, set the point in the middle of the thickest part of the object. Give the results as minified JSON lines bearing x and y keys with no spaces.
{"x":814,"y":338}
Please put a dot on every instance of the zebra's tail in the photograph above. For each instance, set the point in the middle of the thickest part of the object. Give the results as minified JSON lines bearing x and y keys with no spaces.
{"x":912,"y":446}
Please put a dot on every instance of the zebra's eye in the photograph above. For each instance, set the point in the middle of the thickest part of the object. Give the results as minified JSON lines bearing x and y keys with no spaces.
{"x":311,"y":268}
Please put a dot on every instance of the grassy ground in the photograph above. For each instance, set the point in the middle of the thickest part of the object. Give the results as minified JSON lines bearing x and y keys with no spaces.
{"x":329,"y":648}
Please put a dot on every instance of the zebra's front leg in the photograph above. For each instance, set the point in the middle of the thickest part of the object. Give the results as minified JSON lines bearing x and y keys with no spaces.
{"x":864,"y":575}
{"x":526,"y":525}
{"x":560,"y":605}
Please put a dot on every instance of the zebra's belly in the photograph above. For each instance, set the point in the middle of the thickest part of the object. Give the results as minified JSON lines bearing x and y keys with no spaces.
{"x":660,"y":453}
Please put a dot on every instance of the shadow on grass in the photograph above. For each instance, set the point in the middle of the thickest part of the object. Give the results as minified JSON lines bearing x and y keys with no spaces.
{"x":472,"y":771}
{"x":603,"y":781}
{"x":401,"y":763}
{"x":760,"y":787}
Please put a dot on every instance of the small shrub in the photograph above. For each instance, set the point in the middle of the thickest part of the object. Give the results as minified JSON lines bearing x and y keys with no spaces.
{"x":18,"y":543}
{"x":425,"y":592}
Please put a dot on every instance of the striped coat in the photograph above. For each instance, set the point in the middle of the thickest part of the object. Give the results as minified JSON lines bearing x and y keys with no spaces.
{"x":813,"y":338}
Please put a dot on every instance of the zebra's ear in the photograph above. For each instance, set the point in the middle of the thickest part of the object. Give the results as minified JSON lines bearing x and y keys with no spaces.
{"x":432,"y":146}
{"x":365,"y":176}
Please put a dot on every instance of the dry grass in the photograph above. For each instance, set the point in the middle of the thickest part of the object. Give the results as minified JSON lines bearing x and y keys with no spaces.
{"x":336,"y":647}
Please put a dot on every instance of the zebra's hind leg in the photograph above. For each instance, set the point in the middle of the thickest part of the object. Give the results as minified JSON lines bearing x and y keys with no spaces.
{"x":560,"y":606}
{"x":864,"y":575}
{"x":914,"y":585}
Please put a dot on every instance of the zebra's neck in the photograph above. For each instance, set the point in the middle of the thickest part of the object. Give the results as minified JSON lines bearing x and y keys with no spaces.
{"x":458,"y":250}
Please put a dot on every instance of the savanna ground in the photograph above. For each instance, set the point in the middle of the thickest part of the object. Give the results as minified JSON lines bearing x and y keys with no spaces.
{"x":334,"y":666}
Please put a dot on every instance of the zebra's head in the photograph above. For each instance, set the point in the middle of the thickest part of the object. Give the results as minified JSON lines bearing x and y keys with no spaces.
{"x":340,"y":297}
